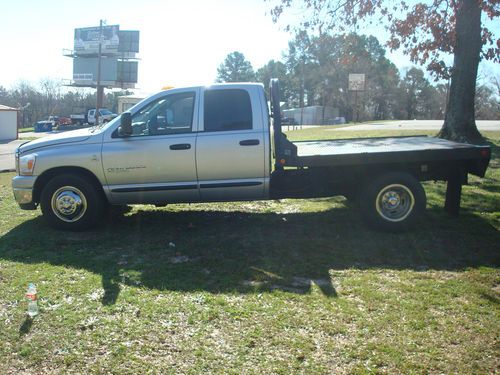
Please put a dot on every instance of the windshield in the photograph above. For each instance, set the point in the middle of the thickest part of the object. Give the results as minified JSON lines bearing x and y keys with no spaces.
{"x":105,"y":111}
{"x":105,"y":125}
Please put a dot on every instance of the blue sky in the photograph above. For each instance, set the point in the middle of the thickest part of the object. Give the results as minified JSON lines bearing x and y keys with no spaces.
{"x":182,"y":42}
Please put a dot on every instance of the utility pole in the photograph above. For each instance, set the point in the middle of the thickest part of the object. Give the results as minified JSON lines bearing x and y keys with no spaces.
{"x":356,"y":105}
{"x":100,"y":89}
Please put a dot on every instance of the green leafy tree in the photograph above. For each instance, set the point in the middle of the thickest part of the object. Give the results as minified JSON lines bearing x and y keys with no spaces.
{"x":384,"y":90}
{"x":319,"y":67}
{"x":433,"y":99}
{"x":301,"y":68}
{"x":274,"y":69}
{"x":235,"y":68}
{"x":414,"y":84}
{"x":419,"y":99}
{"x":487,"y":103}
{"x":4,"y":96}
{"x":364,"y":54}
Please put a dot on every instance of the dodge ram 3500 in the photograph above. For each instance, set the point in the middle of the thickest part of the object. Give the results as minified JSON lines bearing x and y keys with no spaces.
{"x":222,"y":143}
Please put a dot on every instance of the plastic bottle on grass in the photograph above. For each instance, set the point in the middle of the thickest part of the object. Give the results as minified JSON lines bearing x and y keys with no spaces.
{"x":32,"y":300}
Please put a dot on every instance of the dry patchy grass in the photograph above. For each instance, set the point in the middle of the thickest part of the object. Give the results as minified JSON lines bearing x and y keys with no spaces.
{"x":262,"y":287}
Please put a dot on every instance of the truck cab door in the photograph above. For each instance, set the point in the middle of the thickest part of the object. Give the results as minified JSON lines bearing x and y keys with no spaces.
{"x":91,"y":116}
{"x":156,"y":164}
{"x":231,"y":146}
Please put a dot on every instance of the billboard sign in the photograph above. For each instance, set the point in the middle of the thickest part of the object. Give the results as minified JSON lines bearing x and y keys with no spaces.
{"x":356,"y":82}
{"x":86,"y":41}
{"x":85,"y":69}
{"x":127,"y":71}
{"x":129,"y":41}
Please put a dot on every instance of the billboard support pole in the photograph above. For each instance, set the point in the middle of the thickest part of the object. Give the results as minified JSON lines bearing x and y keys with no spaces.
{"x":100,"y":90}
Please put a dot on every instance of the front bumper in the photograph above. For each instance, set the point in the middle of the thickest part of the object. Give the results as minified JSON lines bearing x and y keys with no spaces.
{"x":23,"y":191}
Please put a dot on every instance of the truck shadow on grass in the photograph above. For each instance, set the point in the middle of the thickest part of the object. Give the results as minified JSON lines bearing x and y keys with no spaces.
{"x":241,"y":252}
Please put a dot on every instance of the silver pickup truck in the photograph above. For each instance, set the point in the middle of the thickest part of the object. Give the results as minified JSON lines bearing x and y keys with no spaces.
{"x":220,"y":143}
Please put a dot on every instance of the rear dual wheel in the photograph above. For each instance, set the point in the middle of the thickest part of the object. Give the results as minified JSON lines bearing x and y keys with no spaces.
{"x":393,"y":202}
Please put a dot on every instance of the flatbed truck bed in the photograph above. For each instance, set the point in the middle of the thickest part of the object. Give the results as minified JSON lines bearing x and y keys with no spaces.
{"x":387,"y":150}
{"x":382,"y":174}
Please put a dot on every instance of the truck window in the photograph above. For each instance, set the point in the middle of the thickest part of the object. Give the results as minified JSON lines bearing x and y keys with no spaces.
{"x":171,"y":114}
{"x":227,"y":109}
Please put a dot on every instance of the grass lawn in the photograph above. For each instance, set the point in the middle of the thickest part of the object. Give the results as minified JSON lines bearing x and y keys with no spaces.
{"x":295,"y":286}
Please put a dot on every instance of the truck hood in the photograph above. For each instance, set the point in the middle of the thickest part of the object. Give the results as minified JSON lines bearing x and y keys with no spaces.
{"x":72,"y":136}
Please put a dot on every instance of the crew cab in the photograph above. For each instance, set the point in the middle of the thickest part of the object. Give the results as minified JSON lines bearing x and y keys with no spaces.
{"x":221,"y":143}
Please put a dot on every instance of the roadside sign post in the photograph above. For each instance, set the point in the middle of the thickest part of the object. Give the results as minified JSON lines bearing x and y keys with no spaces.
{"x":356,"y":83}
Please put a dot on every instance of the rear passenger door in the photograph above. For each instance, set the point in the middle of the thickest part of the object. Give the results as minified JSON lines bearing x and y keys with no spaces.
{"x":230,"y":146}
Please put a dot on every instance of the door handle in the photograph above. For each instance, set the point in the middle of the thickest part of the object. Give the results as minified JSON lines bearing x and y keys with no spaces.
{"x":249,"y":142}
{"x":180,"y":146}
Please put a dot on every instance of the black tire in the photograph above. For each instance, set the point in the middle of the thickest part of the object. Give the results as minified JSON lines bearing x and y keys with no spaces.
{"x":71,"y":202}
{"x":393,"y":202}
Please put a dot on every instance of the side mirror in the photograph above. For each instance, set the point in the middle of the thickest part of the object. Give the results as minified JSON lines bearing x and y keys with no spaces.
{"x":125,"y":128}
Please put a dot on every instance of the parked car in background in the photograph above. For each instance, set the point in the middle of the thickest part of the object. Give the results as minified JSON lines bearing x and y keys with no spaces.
{"x":105,"y":115}
{"x":89,"y":117}
{"x":64,"y":121}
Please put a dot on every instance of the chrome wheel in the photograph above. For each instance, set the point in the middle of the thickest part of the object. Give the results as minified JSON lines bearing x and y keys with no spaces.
{"x":395,"y":202}
{"x":69,"y":204}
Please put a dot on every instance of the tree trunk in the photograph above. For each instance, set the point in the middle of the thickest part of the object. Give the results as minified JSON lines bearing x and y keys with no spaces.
{"x":410,"y":115}
{"x":460,"y":124}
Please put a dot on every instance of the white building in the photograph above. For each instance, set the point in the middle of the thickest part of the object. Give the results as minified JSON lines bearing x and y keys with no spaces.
{"x":8,"y":123}
{"x":314,"y":115}
{"x":128,"y":101}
